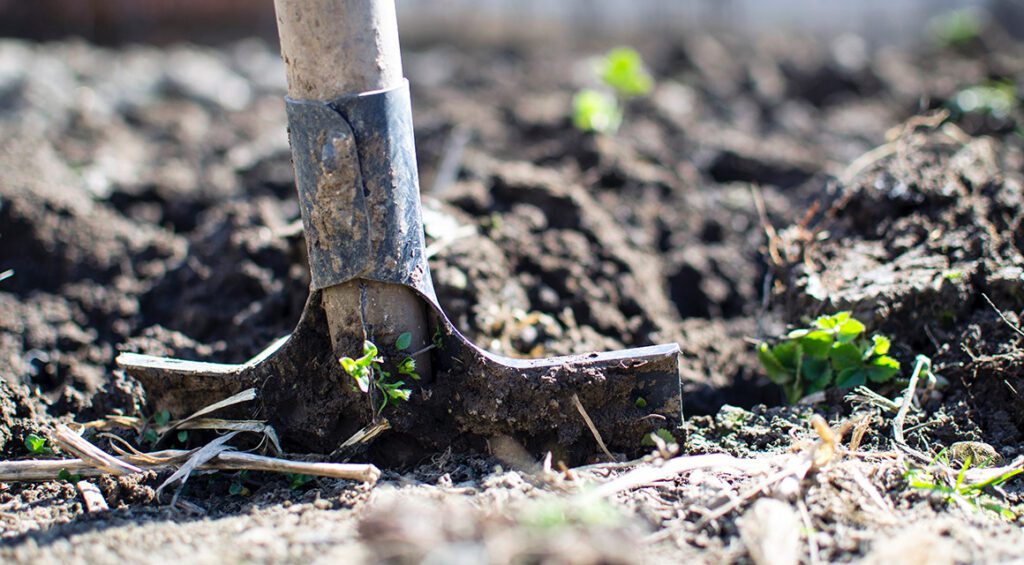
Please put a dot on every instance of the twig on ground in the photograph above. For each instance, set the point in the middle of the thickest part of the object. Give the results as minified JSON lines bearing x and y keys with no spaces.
{"x":925,"y":364}
{"x":256,"y":426}
{"x":362,"y":437}
{"x":858,"y":432}
{"x":883,"y":504}
{"x":246,"y":395}
{"x":199,"y":457}
{"x":77,"y":445}
{"x":50,"y":469}
{"x":1003,"y":316}
{"x":590,"y":424}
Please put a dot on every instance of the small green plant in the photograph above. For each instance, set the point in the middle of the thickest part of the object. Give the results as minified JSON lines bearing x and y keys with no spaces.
{"x":997,"y":98}
{"x":958,"y":490}
{"x":36,"y":445}
{"x":623,"y":76}
{"x":297,"y":481}
{"x":956,"y":28}
{"x":595,"y":110}
{"x":623,"y":70}
{"x":237,"y":486}
{"x":833,"y":352}
{"x":369,"y":374}
{"x":158,"y":420}
{"x":68,"y":476}
{"x":665,"y":435}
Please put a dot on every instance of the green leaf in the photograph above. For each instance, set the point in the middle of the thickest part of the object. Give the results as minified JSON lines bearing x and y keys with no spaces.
{"x":662,"y":433}
{"x":817,"y":373}
{"x":404,"y":341}
{"x":851,"y":377}
{"x":882,"y":369}
{"x":817,"y":344}
{"x":880,"y":345}
{"x":182,"y":436}
{"x":623,"y":70}
{"x":640,"y":402}
{"x":593,"y":110}
{"x":363,"y":380}
{"x":369,"y":353}
{"x":831,"y":322}
{"x":788,"y":354}
{"x":845,"y":356}
{"x":161,"y":418}
{"x":350,"y":366}
{"x":407,"y":366}
{"x":297,"y":481}
{"x":67,"y":476}
{"x":35,"y":444}
{"x":397,"y":394}
{"x":848,"y":330}
{"x":776,"y":372}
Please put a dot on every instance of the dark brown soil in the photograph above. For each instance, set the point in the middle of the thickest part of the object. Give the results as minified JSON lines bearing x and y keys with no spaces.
{"x":147,"y":204}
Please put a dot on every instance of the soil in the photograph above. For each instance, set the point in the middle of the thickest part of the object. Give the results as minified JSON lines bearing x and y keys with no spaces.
{"x":147,"y":204}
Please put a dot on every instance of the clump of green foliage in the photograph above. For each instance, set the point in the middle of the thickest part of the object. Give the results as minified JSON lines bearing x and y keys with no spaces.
{"x":596,"y":110}
{"x":158,"y":420}
{"x":958,"y":490}
{"x":833,"y":352}
{"x":36,"y":445}
{"x":997,"y":98}
{"x":368,"y":372}
{"x":956,"y":28}
{"x":623,"y":76}
{"x":623,"y":70}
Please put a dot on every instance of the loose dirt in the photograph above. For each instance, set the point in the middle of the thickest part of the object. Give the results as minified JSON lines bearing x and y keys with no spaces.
{"x":147,"y":204}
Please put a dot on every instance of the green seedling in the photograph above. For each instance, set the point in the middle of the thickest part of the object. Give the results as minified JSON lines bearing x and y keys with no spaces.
{"x":68,"y":476}
{"x":297,"y":481}
{"x":958,"y":490}
{"x":158,"y":420}
{"x":36,"y":445}
{"x":369,"y":374}
{"x":594,"y":110}
{"x":956,"y":28}
{"x":997,"y":99}
{"x":237,"y":486}
{"x":662,"y":433}
{"x":833,"y":352}
{"x":623,"y":70}
{"x":623,"y":76}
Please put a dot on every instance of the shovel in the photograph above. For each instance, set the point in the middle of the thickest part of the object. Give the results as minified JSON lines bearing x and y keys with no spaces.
{"x":350,"y":127}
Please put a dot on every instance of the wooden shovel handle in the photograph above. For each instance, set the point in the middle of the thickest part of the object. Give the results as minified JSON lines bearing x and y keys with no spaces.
{"x":336,"y":47}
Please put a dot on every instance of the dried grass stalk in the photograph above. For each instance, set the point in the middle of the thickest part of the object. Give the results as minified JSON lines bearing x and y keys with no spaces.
{"x":73,"y":443}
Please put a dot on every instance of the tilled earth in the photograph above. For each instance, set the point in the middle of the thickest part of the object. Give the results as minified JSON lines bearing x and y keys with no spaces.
{"x":147,"y":204}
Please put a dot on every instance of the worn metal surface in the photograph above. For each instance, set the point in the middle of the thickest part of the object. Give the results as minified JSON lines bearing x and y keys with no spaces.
{"x":355,"y":168}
